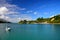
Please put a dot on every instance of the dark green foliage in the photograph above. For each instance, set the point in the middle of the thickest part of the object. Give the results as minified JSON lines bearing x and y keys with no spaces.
{"x":23,"y":22}
{"x":40,"y":19}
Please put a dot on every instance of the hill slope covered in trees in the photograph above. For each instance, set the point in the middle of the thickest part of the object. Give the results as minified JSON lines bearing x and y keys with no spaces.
{"x":54,"y":19}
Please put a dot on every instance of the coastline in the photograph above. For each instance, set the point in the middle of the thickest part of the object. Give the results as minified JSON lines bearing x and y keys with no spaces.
{"x":45,"y":23}
{"x":42,"y":23}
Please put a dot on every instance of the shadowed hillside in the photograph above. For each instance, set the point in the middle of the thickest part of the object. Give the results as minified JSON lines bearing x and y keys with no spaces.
{"x":4,"y":21}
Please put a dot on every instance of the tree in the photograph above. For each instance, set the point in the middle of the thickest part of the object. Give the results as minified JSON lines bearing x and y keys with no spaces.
{"x":40,"y":19}
{"x":23,"y":22}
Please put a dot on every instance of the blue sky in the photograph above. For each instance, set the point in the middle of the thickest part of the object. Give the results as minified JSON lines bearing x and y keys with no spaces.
{"x":29,"y":9}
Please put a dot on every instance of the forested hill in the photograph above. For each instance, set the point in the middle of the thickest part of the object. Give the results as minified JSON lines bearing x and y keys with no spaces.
{"x":54,"y":19}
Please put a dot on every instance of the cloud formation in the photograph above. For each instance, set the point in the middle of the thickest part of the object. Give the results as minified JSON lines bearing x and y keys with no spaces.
{"x":12,"y":12}
{"x":3,"y":10}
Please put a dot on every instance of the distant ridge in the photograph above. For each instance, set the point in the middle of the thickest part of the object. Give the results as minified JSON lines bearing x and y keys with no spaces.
{"x":4,"y":21}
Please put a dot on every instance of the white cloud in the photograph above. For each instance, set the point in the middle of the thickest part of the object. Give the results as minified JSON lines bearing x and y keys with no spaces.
{"x":9,"y":12}
{"x":9,"y":18}
{"x":3,"y":10}
{"x":13,"y":7}
{"x":16,"y":18}
{"x":4,"y":17}
{"x":52,"y":16}
{"x":35,"y":13}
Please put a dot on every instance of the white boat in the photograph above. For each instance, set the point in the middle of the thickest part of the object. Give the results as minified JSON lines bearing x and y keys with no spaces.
{"x":8,"y":29}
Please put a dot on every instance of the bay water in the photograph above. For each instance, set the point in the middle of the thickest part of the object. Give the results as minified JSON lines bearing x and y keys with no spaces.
{"x":30,"y":32}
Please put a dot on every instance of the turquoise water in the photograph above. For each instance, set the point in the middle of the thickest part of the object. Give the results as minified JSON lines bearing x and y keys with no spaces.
{"x":30,"y":32}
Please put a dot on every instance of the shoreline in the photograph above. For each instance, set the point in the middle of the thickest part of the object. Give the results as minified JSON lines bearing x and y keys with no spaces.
{"x":40,"y":23}
{"x":46,"y":23}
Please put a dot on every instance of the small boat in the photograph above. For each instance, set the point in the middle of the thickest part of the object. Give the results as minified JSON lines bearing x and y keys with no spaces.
{"x":8,"y":29}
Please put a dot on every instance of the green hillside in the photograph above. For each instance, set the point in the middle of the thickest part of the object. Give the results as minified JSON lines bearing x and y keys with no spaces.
{"x":54,"y":19}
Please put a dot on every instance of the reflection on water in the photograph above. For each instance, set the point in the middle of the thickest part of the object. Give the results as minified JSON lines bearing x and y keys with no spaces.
{"x":30,"y":32}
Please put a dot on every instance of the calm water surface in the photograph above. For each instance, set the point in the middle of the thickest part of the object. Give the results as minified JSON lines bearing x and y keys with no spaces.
{"x":30,"y":32}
